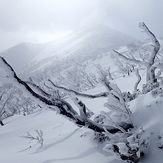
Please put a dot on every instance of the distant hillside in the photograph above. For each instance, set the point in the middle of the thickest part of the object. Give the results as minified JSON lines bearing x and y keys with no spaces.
{"x":20,"y":55}
{"x":84,"y":44}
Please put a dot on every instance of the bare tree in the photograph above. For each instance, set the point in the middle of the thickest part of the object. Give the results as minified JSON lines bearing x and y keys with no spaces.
{"x":79,"y":79}
{"x":105,"y":71}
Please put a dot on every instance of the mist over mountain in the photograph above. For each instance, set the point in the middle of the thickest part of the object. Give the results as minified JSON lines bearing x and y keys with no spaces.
{"x":85,"y":43}
{"x":20,"y":55}
{"x":93,"y":39}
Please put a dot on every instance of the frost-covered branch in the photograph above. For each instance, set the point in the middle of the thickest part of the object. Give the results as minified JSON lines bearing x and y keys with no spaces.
{"x":138,"y":81}
{"x":150,"y":75}
{"x":156,"y":65}
{"x":156,"y":48}
{"x":117,"y":104}
{"x":105,"y":94}
{"x":61,"y":106}
{"x":84,"y":111}
{"x":155,"y":42}
{"x":113,"y":123}
{"x":130,"y":59}
{"x":36,"y":87}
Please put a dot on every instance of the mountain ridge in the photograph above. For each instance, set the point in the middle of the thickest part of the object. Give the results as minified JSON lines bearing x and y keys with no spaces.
{"x":86,"y":42}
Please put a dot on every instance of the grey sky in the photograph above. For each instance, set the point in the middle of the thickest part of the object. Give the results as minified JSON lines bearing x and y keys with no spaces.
{"x":38,"y":21}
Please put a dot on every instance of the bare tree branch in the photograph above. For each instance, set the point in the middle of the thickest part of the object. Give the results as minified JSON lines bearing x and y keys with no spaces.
{"x":150,"y":75}
{"x":62,"y":106}
{"x":130,"y":59}
{"x":156,"y":44}
{"x":105,"y":94}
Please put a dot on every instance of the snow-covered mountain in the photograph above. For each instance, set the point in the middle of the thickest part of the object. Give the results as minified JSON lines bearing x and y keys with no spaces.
{"x":20,"y":55}
{"x":83,"y":44}
{"x":94,"y":39}
{"x":45,"y":137}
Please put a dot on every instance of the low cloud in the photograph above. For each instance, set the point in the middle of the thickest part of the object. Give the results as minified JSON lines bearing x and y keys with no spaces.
{"x":41,"y":20}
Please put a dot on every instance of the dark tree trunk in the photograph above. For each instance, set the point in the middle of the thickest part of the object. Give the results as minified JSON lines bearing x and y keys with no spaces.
{"x":2,"y":124}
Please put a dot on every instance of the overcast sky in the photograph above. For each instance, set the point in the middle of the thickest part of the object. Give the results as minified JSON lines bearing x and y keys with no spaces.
{"x":38,"y":21}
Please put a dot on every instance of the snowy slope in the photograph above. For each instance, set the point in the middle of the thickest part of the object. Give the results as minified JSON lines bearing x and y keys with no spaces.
{"x":63,"y":141}
{"x":20,"y":55}
{"x":148,"y":113}
{"x":66,"y":143}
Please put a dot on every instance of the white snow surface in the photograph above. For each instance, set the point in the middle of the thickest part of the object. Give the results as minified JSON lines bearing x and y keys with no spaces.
{"x":64,"y":142}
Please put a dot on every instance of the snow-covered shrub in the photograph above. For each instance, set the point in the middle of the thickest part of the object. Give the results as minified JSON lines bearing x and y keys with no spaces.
{"x":124,"y":151}
{"x":104,"y":118}
{"x":127,"y":96}
{"x":135,"y":94}
{"x":150,"y":86}
{"x":101,"y":137}
{"x":117,"y":101}
{"x":77,"y":78}
{"x":130,"y":149}
{"x":160,"y":137}
{"x":157,"y":91}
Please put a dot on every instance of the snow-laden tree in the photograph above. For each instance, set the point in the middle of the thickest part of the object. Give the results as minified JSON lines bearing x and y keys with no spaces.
{"x":149,"y":62}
